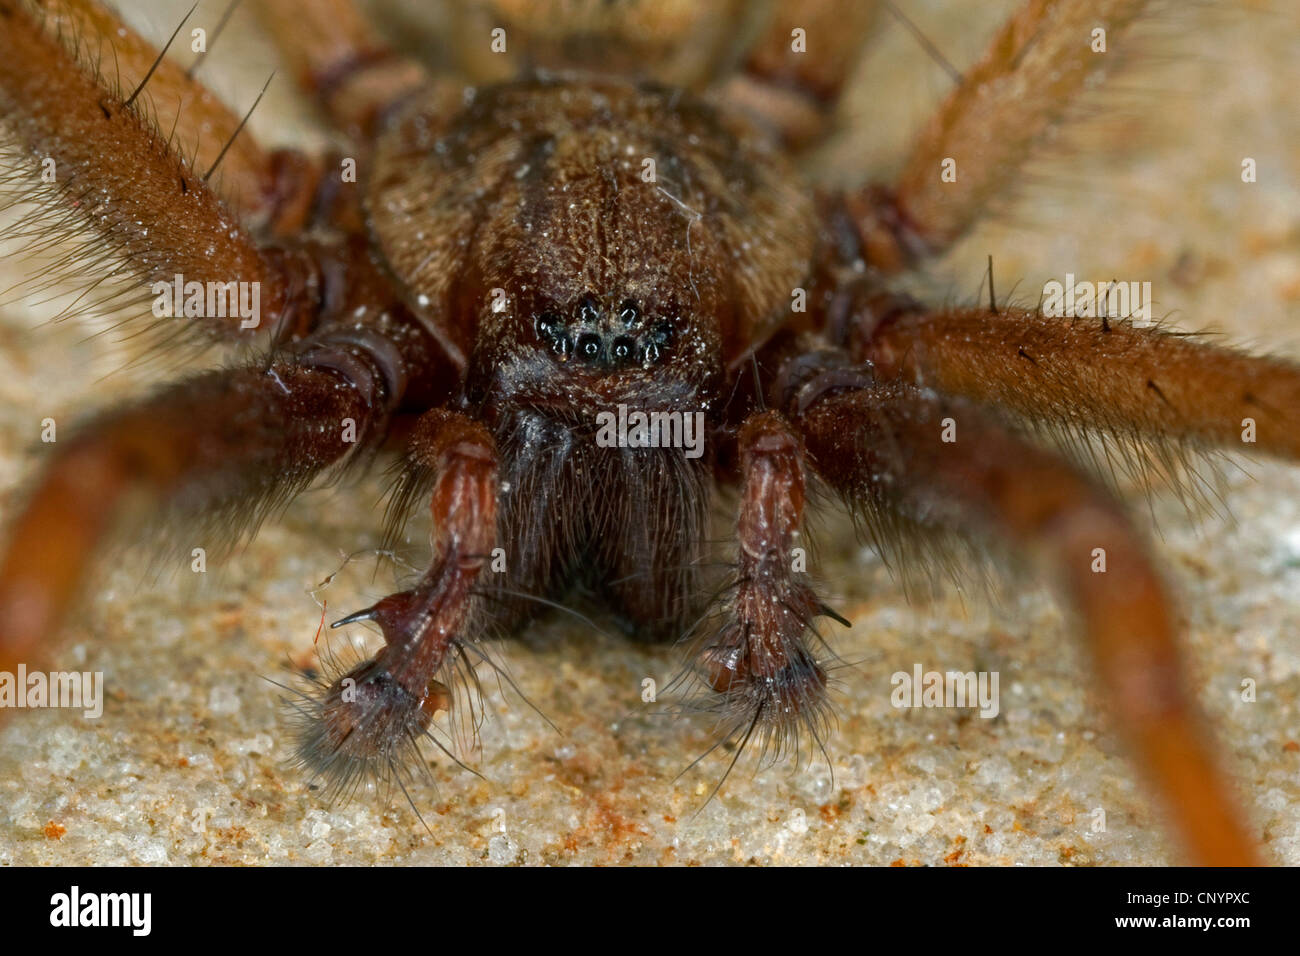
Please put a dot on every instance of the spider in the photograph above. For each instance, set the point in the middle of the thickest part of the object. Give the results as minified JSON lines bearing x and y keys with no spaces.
{"x":561,"y":240}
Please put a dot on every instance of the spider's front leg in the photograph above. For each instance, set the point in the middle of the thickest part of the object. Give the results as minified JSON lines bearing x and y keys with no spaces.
{"x":231,"y":443}
{"x":795,"y":72}
{"x":1094,"y":374}
{"x":344,"y":63}
{"x":758,"y":662}
{"x":1005,"y":105}
{"x":151,"y":160}
{"x":370,"y":715}
{"x":883,"y":447}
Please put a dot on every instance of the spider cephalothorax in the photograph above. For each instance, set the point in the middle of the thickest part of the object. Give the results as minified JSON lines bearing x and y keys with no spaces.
{"x":579,"y":296}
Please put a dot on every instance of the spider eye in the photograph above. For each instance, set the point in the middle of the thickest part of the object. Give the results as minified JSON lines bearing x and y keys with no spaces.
{"x":589,"y":346}
{"x":587,"y":311}
{"x":622,"y":348}
{"x":628,"y":312}
{"x":562,"y":346}
{"x":548,"y":324}
{"x":651,"y":354}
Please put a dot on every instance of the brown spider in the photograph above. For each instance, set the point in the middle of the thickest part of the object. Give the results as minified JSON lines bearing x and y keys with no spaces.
{"x":512,"y":264}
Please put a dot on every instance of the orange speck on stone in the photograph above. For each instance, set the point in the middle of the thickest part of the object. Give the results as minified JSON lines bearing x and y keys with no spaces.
{"x":1257,"y":243}
{"x":1146,"y":254}
{"x":955,"y":855}
{"x":987,"y":828}
{"x":1291,"y":746}
{"x":54,"y":831}
{"x":898,"y":862}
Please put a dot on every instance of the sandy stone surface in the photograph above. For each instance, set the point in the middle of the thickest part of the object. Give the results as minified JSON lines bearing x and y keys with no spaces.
{"x":187,"y":763}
